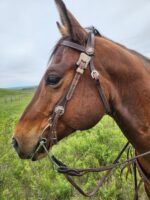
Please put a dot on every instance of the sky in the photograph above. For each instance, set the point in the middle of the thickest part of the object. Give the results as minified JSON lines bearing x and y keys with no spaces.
{"x":28,"y":32}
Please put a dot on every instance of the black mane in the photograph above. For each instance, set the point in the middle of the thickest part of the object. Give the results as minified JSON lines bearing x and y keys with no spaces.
{"x":94,"y":30}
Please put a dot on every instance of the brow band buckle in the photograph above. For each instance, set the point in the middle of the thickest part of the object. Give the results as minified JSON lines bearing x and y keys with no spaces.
{"x":84,"y":58}
{"x":90,"y":51}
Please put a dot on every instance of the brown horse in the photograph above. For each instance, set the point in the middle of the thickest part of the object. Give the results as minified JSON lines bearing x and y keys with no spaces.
{"x":124,"y":77}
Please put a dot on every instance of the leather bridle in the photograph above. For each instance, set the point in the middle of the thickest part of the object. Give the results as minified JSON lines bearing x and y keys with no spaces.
{"x":85,"y":61}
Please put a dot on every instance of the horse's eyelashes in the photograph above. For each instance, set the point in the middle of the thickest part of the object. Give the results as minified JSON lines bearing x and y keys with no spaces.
{"x":53,"y":79}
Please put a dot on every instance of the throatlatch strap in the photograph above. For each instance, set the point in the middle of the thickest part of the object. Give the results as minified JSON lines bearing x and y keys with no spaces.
{"x":103,"y":97}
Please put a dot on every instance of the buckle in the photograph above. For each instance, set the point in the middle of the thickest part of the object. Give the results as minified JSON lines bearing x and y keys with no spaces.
{"x":43,"y":141}
{"x":95,"y":74}
{"x":90,"y":51}
{"x":60,"y":110}
{"x":85,"y":59}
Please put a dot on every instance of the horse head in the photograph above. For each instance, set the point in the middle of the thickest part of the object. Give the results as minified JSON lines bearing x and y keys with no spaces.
{"x":82,"y":111}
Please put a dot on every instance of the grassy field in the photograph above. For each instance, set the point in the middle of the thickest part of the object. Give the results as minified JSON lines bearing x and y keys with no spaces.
{"x":27,"y":180}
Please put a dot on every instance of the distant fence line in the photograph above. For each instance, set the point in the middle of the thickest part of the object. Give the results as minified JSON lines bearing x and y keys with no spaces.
{"x":12,"y":99}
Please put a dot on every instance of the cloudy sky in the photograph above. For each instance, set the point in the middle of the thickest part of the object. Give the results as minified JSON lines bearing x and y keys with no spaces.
{"x":28,"y":32}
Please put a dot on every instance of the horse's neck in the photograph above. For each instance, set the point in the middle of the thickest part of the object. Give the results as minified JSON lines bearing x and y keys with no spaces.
{"x":130,"y":92}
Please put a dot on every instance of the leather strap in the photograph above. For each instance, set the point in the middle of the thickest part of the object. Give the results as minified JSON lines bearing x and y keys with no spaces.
{"x":73,"y":45}
{"x":89,"y":50}
{"x":103,"y":97}
{"x":135,"y":181}
{"x":142,"y":173}
{"x":62,"y":168}
{"x":68,"y":172}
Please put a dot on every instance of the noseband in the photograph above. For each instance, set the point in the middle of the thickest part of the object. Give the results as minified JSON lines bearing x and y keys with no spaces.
{"x":85,"y":60}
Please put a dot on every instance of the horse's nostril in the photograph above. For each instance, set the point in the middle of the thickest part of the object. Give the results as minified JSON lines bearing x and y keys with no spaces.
{"x":15,"y":143}
{"x":21,"y":154}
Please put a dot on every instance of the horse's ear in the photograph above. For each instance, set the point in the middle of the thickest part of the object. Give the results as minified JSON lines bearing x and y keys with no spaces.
{"x":70,"y":26}
{"x":62,"y":29}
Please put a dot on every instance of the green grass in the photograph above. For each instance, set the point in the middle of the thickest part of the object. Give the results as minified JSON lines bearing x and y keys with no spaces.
{"x":12,"y":103}
{"x":27,"y":180}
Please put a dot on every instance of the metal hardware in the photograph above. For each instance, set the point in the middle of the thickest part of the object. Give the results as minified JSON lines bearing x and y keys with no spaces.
{"x":85,"y":59}
{"x":79,"y":70}
{"x":95,"y":74}
{"x":60,"y":110}
{"x":43,"y":141}
{"x":90,"y":51}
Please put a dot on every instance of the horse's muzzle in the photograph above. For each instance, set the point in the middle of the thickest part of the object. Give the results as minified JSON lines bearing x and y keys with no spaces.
{"x":16,"y":146}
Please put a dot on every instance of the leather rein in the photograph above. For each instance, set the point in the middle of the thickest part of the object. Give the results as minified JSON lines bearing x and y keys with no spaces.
{"x":85,"y":60}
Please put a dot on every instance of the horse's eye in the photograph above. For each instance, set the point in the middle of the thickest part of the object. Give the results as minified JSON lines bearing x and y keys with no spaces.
{"x":53,"y":79}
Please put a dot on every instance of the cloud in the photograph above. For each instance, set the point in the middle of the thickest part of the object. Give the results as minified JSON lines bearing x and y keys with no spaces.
{"x":28,"y":32}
